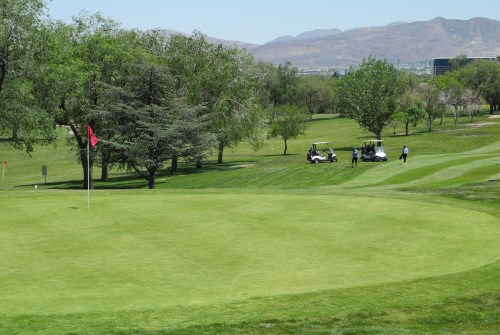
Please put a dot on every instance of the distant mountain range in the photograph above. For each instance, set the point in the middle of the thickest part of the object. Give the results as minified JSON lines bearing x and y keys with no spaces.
{"x":398,"y":41}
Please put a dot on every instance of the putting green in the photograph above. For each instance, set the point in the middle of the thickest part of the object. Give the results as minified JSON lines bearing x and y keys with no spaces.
{"x":150,"y":249}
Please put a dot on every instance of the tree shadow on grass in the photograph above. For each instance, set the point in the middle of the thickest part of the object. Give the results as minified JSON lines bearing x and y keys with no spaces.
{"x":66,"y":184}
{"x":411,"y":134}
{"x":280,"y":155}
{"x":134,"y":181}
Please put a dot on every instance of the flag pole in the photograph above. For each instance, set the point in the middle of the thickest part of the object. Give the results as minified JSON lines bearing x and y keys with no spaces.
{"x":88,"y":174}
{"x":91,"y":142}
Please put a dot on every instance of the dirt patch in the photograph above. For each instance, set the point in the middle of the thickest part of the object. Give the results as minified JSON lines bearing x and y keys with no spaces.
{"x":242,"y":166}
{"x":480,"y":124}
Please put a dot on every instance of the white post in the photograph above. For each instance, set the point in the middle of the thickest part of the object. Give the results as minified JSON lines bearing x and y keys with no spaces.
{"x":88,"y":174}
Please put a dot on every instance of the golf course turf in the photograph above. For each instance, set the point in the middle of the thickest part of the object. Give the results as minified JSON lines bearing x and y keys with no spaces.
{"x":263,"y":243}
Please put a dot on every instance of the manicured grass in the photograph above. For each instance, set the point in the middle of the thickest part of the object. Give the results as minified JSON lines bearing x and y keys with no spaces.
{"x":262,"y":244}
{"x":164,"y":249}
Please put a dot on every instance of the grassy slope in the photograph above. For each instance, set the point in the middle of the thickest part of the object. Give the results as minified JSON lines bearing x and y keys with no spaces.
{"x":459,"y":162}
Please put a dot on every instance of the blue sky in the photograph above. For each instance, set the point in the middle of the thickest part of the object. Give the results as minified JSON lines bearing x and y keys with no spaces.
{"x":259,"y":21}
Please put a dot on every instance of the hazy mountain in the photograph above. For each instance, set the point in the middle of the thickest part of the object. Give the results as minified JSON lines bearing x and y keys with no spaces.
{"x":407,"y":42}
{"x":396,"y":23}
{"x":318,"y":33}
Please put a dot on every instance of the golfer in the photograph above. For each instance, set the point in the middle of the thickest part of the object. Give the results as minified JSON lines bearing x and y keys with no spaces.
{"x":355,"y":155}
{"x":404,"y":153}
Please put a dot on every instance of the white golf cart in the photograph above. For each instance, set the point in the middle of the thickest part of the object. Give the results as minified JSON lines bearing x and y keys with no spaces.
{"x":321,"y":152}
{"x":373,"y":151}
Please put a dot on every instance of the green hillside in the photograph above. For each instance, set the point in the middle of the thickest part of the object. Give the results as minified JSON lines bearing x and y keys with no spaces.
{"x":262,"y":244}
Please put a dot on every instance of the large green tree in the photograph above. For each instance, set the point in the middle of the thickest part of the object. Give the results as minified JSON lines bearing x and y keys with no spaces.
{"x":221,"y":78}
{"x":152,"y":134}
{"x":23,"y":120}
{"x":82,"y":68}
{"x":154,"y":122}
{"x":369,"y":94}
{"x":483,"y":76}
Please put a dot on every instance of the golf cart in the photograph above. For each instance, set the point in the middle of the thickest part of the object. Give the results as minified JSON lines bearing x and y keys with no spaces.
{"x":373,"y":151}
{"x":321,"y":152}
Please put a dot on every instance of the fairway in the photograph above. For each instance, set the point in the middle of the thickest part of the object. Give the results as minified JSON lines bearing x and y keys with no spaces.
{"x":262,"y":244}
{"x":145,"y":250}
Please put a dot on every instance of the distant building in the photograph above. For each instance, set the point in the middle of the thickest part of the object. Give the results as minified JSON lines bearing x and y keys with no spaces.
{"x":441,"y":65}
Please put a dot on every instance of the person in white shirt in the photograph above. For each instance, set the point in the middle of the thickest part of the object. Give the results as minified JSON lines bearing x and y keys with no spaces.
{"x":355,"y":155}
{"x":404,"y":153}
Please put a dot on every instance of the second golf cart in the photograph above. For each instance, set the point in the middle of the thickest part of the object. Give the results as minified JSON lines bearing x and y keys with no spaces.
{"x":373,"y":151}
{"x":321,"y":152}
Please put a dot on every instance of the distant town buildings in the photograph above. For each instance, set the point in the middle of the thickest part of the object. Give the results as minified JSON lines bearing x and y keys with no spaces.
{"x":435,"y":67}
{"x":441,"y":65}
{"x":419,"y":68}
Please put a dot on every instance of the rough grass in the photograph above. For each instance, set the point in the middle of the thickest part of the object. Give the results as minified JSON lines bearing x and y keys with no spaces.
{"x":262,"y":244}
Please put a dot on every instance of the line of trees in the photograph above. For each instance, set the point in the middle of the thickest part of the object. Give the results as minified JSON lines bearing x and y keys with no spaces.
{"x":375,"y":94}
{"x":155,"y":99}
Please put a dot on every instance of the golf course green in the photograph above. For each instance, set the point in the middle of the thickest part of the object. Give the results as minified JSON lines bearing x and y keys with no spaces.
{"x":316,"y":248}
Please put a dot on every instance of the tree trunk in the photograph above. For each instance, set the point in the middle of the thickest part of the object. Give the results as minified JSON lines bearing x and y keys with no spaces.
{"x":82,"y":145}
{"x":286,"y":147}
{"x":221,"y":151}
{"x":152,"y":178}
{"x":104,"y":167}
{"x":406,"y":127}
{"x":14,"y":133}
{"x":3,"y":72}
{"x":199,"y":164}
{"x":87,"y":175}
{"x":174,"y":164}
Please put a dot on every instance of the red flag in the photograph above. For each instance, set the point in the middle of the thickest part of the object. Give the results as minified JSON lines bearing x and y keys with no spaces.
{"x":91,"y":136}
{"x":5,"y":164}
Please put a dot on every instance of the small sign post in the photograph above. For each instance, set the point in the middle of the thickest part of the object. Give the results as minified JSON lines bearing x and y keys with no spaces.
{"x":5,"y":164}
{"x":44,"y":172}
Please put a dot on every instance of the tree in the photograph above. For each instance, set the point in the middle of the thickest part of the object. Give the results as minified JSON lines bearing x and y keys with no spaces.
{"x":483,"y":76}
{"x":452,"y":93}
{"x":459,"y":62}
{"x":154,"y":124}
{"x":432,"y":104}
{"x":369,"y":94}
{"x":23,"y":120}
{"x":472,"y":103}
{"x":82,"y":68}
{"x":281,"y":84}
{"x":151,"y":135}
{"x":287,"y":122}
{"x":221,"y":78}
{"x":314,"y":92}
{"x":410,"y":110}
{"x":410,"y":107}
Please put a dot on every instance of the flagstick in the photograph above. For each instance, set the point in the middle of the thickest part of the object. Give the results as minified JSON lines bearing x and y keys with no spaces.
{"x":88,"y":174}
{"x":3,"y":172}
